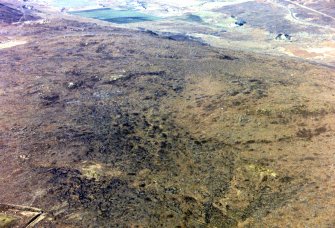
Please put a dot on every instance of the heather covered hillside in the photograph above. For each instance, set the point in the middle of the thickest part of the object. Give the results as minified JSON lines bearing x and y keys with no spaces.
{"x":128,"y":121}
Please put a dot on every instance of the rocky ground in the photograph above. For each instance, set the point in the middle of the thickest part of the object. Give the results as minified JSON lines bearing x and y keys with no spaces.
{"x":106,"y":127}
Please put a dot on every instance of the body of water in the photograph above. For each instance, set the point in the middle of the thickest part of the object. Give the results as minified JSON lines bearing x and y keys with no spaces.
{"x":115,"y":16}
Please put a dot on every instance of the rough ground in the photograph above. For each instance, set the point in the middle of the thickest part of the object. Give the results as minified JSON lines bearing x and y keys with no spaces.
{"x":106,"y":127}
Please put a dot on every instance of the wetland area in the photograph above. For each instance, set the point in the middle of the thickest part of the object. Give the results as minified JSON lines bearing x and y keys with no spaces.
{"x":104,"y":126}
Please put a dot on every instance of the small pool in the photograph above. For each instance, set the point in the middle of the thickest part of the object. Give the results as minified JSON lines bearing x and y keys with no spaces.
{"x":115,"y":16}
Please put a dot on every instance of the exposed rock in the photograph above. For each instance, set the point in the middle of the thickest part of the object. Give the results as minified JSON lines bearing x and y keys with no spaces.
{"x":227,"y":57}
{"x":240,"y":22}
{"x":74,"y":85}
{"x":50,"y":98}
{"x":283,"y":36}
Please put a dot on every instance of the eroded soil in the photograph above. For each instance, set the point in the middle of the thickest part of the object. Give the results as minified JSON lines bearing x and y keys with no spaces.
{"x":106,"y":127}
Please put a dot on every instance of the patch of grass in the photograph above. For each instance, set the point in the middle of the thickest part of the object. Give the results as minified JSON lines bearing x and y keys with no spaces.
{"x":7,"y":220}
